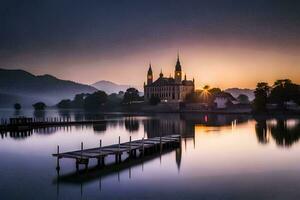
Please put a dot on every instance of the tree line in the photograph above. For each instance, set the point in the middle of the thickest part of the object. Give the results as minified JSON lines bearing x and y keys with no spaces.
{"x":99,"y":99}
{"x":94,"y":101}
{"x":279,"y":94}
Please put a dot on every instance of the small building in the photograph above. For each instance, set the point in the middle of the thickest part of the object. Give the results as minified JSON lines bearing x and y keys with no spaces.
{"x":168,"y":89}
{"x":223,"y":100}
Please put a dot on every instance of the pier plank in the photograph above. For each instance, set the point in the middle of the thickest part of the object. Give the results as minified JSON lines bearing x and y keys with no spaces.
{"x":82,"y":156}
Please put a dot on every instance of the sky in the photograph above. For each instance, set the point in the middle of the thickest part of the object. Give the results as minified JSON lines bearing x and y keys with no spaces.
{"x":222,"y":43}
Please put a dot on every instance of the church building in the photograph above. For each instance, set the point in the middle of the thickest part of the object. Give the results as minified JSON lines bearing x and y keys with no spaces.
{"x":168,"y":89}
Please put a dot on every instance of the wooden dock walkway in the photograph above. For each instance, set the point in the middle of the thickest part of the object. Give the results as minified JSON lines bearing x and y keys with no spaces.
{"x":130,"y":148}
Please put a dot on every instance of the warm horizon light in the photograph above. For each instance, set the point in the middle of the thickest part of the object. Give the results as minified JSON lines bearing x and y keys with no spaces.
{"x":223,"y":45}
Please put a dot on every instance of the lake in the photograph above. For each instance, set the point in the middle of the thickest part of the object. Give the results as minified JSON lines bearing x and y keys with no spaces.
{"x":221,"y":157}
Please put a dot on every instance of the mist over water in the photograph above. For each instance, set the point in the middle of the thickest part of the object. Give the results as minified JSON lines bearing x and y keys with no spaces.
{"x":221,"y":156}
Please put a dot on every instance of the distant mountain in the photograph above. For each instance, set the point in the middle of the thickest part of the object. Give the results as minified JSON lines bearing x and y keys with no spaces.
{"x":235,"y":92}
{"x":110,"y":87}
{"x":26,"y":88}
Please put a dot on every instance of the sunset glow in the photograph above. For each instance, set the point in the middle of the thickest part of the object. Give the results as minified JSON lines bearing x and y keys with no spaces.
{"x":225,"y":47}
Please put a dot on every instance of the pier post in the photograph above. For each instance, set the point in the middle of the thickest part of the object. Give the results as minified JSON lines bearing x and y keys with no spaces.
{"x":100,"y":157}
{"x":119,"y":152}
{"x":119,"y":143}
{"x":77,"y":165}
{"x":130,"y":146}
{"x":57,"y":160}
{"x":81,"y":149}
{"x":143,"y":148}
{"x":100,"y":146}
{"x":160,"y":143}
{"x":116,"y":158}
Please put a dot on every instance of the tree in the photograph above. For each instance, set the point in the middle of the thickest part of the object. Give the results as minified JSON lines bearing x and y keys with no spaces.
{"x":95,"y":100}
{"x":17,"y":106}
{"x":114,"y":99}
{"x":154,"y":100}
{"x":214,"y":91}
{"x":243,"y":99}
{"x":261,"y":97}
{"x":131,"y":95}
{"x":283,"y":91}
{"x":65,"y":103}
{"x":39,"y":106}
{"x":78,"y":101}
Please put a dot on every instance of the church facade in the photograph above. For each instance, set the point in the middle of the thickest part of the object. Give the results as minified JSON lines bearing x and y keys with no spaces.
{"x":168,"y":89}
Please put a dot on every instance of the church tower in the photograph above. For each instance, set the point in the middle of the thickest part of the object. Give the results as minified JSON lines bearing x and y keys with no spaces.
{"x":178,"y":72}
{"x":149,"y":75}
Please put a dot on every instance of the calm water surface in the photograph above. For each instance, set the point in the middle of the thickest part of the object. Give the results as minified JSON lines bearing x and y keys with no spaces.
{"x":221,"y":157}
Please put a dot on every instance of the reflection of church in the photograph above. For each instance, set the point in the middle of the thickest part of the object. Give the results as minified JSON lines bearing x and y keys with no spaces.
{"x":168,"y":88}
{"x":168,"y":125}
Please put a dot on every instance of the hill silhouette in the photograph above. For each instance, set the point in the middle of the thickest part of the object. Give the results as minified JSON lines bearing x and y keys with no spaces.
{"x":26,"y":88}
{"x":110,"y":87}
{"x":235,"y":92}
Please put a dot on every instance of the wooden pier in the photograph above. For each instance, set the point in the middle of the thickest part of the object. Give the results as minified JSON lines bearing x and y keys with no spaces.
{"x":130,"y":148}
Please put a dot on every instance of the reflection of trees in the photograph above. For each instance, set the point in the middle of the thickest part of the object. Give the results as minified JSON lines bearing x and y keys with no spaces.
{"x":261,"y":131}
{"x":3,"y":134}
{"x":132,"y":124}
{"x":20,"y":134}
{"x":113,"y":123}
{"x":100,"y":127}
{"x":80,"y":115}
{"x":47,"y":130}
{"x":284,"y":135}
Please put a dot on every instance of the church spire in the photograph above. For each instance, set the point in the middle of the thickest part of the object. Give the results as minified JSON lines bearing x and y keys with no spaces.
{"x":178,"y":72}
{"x":161,"y":73}
{"x":149,"y":75}
{"x":150,"y":67}
{"x":178,"y":65}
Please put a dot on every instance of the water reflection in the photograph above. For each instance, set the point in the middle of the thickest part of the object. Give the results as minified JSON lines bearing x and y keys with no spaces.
{"x":285,"y":132}
{"x":95,"y":173}
{"x":178,"y":154}
{"x":100,"y":128}
{"x":261,"y":131}
{"x":20,"y":134}
{"x":212,"y":158}
{"x":132,"y":124}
